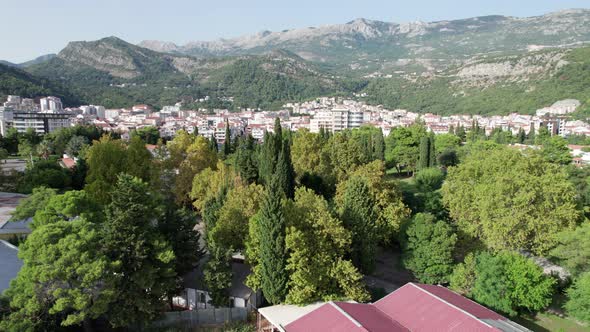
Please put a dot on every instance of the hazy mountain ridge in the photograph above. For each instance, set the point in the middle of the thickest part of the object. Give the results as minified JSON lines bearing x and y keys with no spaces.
{"x":366,"y":45}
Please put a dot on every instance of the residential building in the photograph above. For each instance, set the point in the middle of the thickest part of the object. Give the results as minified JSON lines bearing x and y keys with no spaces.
{"x":41,"y":122}
{"x":51,"y":104}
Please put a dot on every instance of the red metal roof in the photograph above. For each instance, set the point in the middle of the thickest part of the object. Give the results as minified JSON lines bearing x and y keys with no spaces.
{"x":325,"y":318}
{"x":371,"y":318}
{"x":415,"y":307}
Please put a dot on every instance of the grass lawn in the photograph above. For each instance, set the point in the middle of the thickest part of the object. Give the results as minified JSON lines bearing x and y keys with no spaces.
{"x":547,"y":322}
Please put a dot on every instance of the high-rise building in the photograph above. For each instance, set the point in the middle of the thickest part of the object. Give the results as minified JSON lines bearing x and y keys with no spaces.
{"x":51,"y":104}
{"x":337,"y":119}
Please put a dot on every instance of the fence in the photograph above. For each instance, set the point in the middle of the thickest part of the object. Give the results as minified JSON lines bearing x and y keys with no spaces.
{"x":192,"y":318}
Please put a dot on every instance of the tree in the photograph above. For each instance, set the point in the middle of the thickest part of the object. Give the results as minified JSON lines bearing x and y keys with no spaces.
{"x":555,"y":150}
{"x":444,"y":142}
{"x":402,"y":146}
{"x":27,"y":207}
{"x":521,"y":136}
{"x":359,"y":218}
{"x":273,"y":256}
{"x":75,"y":145}
{"x":218,"y":276}
{"x":284,"y":171}
{"x":3,"y":154}
{"x":389,"y":207}
{"x":246,"y":163}
{"x":509,"y":282}
{"x":68,"y":206}
{"x":317,"y":244}
{"x":149,"y":134}
{"x":448,"y":158}
{"x":432,"y":151}
{"x":463,"y":278}
{"x":106,"y":159}
{"x":132,"y":237}
{"x":45,"y":173}
{"x":138,"y":159}
{"x":510,"y":200}
{"x":542,"y":136}
{"x":428,"y":249}
{"x":227,"y":146}
{"x":578,"y":303}
{"x":378,"y":145}
{"x":198,"y":157}
{"x":66,"y":278}
{"x":273,"y":144}
{"x":213,"y":144}
{"x":429,"y":179}
{"x":424,"y":160}
{"x":231,"y":226}
{"x":573,"y":249}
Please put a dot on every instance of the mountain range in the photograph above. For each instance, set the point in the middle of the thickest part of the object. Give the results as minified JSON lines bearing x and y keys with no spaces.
{"x":485,"y":65}
{"x":366,"y":45}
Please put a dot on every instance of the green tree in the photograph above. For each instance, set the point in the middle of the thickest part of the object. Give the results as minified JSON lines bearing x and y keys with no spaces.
{"x":132,"y":237}
{"x":138,"y":159}
{"x":424,"y":160}
{"x":444,"y":142}
{"x":542,"y":136}
{"x":555,"y":151}
{"x":428,"y":249}
{"x":284,"y":171}
{"x":510,"y":200}
{"x":359,"y":218}
{"x":227,"y":147}
{"x":273,"y":255}
{"x":197,"y":157}
{"x":448,"y":158}
{"x":578,"y":303}
{"x":246,"y":162}
{"x":75,"y":145}
{"x":573,"y":249}
{"x":218,"y":276}
{"x":510,"y":283}
{"x":432,"y":150}
{"x":27,"y":207}
{"x":45,"y":173}
{"x":106,"y":159}
{"x":68,"y":206}
{"x":66,"y":279}
{"x":317,"y":244}
{"x":402,"y":146}
{"x":463,"y":278}
{"x":429,"y":179}
{"x":378,"y":145}
{"x":149,"y":134}
{"x":3,"y":154}
{"x":231,"y":227}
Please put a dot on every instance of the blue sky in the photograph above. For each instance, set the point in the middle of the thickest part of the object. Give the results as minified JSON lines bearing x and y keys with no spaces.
{"x":34,"y":27}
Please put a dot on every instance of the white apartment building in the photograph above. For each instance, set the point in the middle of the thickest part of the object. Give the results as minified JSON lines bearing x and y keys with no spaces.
{"x":51,"y":104}
{"x":337,"y":119}
{"x":42,"y":123}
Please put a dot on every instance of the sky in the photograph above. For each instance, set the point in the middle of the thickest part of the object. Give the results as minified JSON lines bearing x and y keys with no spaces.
{"x":31,"y":28}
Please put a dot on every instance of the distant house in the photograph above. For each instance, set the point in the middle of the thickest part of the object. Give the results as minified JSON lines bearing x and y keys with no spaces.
{"x":10,"y":264}
{"x":15,"y":229}
{"x":196,"y":294}
{"x":413,"y":307}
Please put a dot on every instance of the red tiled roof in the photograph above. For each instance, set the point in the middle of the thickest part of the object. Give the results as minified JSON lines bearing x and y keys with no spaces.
{"x":68,"y":163}
{"x":371,"y":317}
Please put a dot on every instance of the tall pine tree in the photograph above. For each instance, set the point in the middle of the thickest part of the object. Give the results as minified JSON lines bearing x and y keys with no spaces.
{"x":431,"y":151}
{"x":378,"y":145}
{"x":273,"y":256}
{"x":246,"y":159}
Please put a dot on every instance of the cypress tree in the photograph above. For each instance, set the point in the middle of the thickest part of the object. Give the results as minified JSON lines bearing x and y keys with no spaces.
{"x":431,"y":152}
{"x":379,"y":146}
{"x":424,"y":158}
{"x":246,"y":160}
{"x":451,"y":129}
{"x":273,"y":256}
{"x":213,"y":144}
{"x":359,"y":217}
{"x":284,"y":171}
{"x":227,"y":143}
